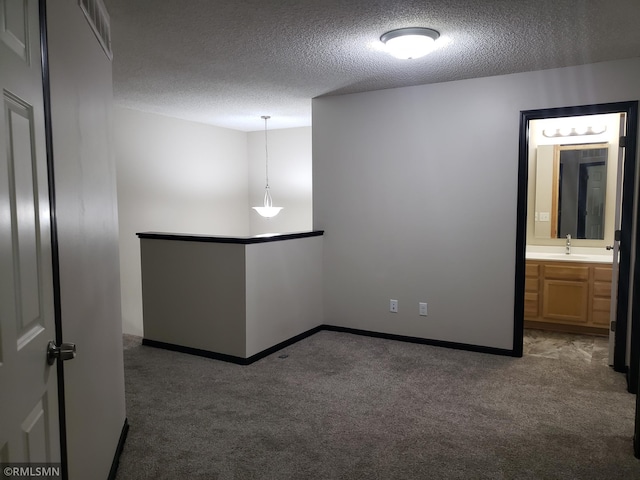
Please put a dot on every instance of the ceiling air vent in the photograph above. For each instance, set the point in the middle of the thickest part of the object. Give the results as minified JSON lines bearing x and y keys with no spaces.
{"x":97,"y":16}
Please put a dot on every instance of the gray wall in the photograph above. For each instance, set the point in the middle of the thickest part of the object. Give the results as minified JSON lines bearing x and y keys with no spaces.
{"x":174,"y":176}
{"x":194,"y":294}
{"x":87,"y":217}
{"x":416,"y":188}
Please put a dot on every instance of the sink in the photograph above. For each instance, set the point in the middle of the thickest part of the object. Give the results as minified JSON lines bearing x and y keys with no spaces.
{"x":573,"y":257}
{"x":563,"y":256}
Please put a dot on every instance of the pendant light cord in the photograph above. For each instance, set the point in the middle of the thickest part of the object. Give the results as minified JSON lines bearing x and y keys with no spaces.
{"x":266,"y":150}
{"x":267,"y":210}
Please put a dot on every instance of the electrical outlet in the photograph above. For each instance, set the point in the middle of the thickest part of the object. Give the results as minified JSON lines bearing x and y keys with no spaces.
{"x":393,"y":306}
{"x":423,"y":309}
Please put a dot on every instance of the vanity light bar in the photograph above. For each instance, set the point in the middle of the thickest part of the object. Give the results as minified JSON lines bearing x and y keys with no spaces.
{"x":573,"y":132}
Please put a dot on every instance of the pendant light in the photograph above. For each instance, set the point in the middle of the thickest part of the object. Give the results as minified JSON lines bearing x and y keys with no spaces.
{"x":267,"y":210}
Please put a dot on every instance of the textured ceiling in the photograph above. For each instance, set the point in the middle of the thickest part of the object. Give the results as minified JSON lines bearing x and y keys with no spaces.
{"x":227,"y":62}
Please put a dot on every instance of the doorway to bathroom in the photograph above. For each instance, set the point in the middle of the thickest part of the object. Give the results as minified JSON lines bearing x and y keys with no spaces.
{"x":575,"y":233}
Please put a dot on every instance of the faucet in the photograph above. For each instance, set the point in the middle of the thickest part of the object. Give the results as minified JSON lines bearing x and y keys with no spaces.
{"x":567,"y":248}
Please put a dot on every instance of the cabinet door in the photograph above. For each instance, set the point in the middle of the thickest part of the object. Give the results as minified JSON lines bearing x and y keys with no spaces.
{"x":565,"y":300}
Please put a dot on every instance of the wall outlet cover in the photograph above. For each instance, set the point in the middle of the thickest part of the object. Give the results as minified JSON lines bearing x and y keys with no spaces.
{"x":393,"y":306}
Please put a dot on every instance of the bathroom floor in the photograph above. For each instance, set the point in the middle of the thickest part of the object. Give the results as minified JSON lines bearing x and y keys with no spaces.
{"x":586,"y":348}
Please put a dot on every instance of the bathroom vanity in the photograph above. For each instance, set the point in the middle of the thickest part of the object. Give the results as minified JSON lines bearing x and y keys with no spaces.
{"x":231,"y":298}
{"x":569,"y":293}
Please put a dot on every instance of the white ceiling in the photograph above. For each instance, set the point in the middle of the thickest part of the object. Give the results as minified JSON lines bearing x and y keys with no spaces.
{"x":227,"y":62}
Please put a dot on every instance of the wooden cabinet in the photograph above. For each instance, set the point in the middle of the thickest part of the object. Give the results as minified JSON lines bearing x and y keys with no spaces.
{"x":567,"y":296}
{"x":601,"y":295}
{"x":532,"y":291}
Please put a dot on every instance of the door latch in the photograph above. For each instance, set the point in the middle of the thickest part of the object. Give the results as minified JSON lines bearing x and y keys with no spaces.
{"x":66,"y":351}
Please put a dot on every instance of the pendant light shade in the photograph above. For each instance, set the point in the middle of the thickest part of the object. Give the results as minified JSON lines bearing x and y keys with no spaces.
{"x":267,"y":210}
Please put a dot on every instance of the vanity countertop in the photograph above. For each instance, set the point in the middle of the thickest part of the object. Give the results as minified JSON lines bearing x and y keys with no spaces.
{"x":573,"y":257}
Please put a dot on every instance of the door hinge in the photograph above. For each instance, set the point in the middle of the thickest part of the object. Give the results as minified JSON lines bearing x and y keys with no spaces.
{"x":617,"y":235}
{"x":623,"y":142}
{"x":613,"y":326}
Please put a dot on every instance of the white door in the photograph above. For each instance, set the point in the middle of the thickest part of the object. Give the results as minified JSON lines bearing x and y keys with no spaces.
{"x":616,"y":245}
{"x":29,"y":428}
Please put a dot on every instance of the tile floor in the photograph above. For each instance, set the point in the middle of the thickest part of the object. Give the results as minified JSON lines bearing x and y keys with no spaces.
{"x":587,"y":348}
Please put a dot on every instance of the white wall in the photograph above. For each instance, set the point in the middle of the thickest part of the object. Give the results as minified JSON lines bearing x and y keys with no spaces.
{"x":87,"y":219}
{"x":283,"y":291}
{"x":416,"y":189}
{"x":174,"y":176}
{"x":290,"y":179}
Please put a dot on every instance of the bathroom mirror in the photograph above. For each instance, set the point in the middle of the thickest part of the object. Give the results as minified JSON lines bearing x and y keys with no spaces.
{"x":571,"y":189}
{"x":559,"y":200}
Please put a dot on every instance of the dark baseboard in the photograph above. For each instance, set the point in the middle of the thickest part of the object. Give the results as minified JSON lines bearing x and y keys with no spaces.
{"x":423,"y":341}
{"x":230,"y":358}
{"x":119,"y":448}
{"x":195,"y":351}
{"x":284,"y":344}
{"x":388,"y":336}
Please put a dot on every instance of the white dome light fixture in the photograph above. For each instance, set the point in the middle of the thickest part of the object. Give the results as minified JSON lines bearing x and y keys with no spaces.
{"x":267,"y":210}
{"x":409,"y":43}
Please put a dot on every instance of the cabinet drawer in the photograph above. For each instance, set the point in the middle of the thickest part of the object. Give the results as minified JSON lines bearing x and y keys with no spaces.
{"x":532,"y":270}
{"x":602,"y":274}
{"x":602,"y":305}
{"x":566,"y":272}
{"x":601,"y":318}
{"x":602,"y":289}
{"x":531,"y":305}
{"x":531,"y":285}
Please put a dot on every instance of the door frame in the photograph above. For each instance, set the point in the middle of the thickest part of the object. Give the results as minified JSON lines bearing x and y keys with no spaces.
{"x":55,"y":259}
{"x":628,"y":190}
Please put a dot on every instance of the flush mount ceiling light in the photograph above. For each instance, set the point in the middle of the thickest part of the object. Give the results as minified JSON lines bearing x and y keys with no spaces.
{"x":408,"y":43}
{"x":267,"y":210}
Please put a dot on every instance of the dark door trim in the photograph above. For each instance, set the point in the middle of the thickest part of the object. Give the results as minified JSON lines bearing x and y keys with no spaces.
{"x":631,"y":110}
{"x":55,"y":259}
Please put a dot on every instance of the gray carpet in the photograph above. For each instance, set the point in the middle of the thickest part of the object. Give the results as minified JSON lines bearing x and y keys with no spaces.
{"x":343,"y":406}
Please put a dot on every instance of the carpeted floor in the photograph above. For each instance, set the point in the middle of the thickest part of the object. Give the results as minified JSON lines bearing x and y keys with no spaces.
{"x":343,"y":406}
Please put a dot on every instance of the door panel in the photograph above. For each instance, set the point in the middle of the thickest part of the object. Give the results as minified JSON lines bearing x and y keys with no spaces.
{"x":35,"y":434}
{"x":13,"y":27}
{"x":26,"y":244}
{"x":29,"y":428}
{"x":594,"y":218}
